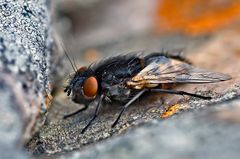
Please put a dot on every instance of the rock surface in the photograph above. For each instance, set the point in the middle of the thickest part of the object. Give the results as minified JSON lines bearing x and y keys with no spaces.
{"x":25,"y":43}
{"x":199,"y":134}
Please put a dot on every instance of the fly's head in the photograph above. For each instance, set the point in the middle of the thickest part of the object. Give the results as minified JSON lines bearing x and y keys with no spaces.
{"x":83,"y":86}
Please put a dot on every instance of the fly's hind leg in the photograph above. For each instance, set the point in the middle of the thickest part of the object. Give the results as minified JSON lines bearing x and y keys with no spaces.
{"x":176,"y":54}
{"x":160,"y":91}
{"x":179,"y":57}
{"x":179,"y":93}
{"x":126,"y":106}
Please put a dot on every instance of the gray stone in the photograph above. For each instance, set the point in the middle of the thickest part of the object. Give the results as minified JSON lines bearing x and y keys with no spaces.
{"x":192,"y":135}
{"x":25,"y":43}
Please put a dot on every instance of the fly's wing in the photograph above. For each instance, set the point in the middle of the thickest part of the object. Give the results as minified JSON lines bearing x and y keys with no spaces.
{"x":162,"y":71}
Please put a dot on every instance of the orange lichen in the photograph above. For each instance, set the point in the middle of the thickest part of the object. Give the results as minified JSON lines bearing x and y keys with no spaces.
{"x":171,"y":110}
{"x":47,"y":96}
{"x":196,"y":17}
{"x":48,"y":100}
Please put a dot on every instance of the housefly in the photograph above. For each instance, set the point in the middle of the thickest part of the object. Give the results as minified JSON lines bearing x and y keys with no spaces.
{"x":124,"y":78}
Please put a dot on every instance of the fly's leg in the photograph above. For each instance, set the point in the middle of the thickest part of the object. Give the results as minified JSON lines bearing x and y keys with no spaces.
{"x":176,"y":54}
{"x":160,"y":91}
{"x":126,"y":106}
{"x":179,"y":93}
{"x":76,"y":112}
{"x":94,"y":116}
{"x":179,"y":57}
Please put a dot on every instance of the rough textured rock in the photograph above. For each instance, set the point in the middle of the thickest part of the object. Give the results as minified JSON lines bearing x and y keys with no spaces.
{"x":199,"y":134}
{"x":25,"y":43}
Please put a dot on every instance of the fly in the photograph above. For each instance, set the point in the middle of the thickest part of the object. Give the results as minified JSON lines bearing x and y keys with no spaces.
{"x":125,"y":78}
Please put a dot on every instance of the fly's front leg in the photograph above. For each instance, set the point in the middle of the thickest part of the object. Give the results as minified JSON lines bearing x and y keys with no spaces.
{"x":95,"y":114}
{"x":126,"y":106}
{"x":76,"y":112}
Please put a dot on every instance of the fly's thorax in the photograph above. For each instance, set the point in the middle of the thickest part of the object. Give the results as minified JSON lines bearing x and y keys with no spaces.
{"x":116,"y":92}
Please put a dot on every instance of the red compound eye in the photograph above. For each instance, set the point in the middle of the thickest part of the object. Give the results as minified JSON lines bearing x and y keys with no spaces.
{"x":81,"y":69}
{"x":90,"y":87}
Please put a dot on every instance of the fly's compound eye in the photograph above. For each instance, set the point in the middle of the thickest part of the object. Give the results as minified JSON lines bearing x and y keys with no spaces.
{"x":90,"y":87}
{"x":82,"y":69}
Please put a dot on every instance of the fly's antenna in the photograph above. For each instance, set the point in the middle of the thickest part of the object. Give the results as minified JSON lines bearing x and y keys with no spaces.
{"x":75,"y":64}
{"x":72,"y":63}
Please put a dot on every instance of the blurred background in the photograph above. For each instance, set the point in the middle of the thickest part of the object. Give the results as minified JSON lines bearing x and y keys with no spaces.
{"x":91,"y":29}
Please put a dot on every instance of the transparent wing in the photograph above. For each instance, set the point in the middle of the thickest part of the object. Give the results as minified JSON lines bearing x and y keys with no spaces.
{"x":161,"y":71}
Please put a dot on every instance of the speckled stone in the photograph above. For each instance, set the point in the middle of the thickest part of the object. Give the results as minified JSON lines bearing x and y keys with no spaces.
{"x":200,"y":134}
{"x":25,"y":43}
